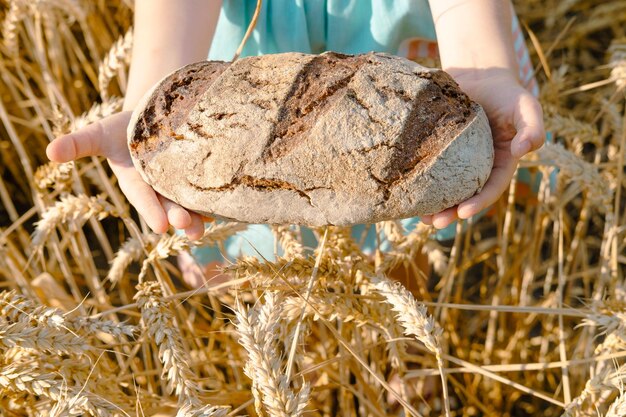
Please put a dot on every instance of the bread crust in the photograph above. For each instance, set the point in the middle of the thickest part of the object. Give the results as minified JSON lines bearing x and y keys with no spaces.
{"x":311,"y":139}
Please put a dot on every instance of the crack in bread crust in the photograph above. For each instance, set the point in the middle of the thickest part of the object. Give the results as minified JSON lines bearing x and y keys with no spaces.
{"x":171,"y":103}
{"x":260,"y":184}
{"x":321,"y":81}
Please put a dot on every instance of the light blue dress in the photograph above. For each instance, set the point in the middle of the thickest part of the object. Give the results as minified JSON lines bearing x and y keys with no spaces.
{"x":315,"y":26}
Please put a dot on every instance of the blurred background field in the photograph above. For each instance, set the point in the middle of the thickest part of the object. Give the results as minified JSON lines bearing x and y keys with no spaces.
{"x":524,"y":313}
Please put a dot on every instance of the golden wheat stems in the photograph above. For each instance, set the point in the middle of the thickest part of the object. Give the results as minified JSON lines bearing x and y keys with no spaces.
{"x":405,"y":247}
{"x":162,"y":327}
{"x":93,"y":326}
{"x":393,"y":230}
{"x":324,"y":306}
{"x":416,"y":322}
{"x":219,"y":232}
{"x":251,"y":26}
{"x":258,"y":330}
{"x":576,"y":131}
{"x":75,"y":9}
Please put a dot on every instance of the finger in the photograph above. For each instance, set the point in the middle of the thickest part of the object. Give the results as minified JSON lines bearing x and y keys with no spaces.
{"x":176,"y":215}
{"x":497,"y":183}
{"x":445,"y":218}
{"x":528,"y":123}
{"x":196,"y":228}
{"x":97,"y":139}
{"x":427,"y":219}
{"x":142,"y":197}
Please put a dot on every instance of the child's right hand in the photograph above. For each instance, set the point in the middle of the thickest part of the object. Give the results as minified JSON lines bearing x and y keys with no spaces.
{"x":107,"y":138}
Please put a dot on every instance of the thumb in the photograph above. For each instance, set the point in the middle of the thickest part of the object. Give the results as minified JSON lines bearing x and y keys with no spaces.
{"x":102,"y":138}
{"x":528,"y":123}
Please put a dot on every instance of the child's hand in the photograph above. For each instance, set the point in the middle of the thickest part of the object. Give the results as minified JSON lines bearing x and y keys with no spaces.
{"x":516,"y":123}
{"x":108,"y":138}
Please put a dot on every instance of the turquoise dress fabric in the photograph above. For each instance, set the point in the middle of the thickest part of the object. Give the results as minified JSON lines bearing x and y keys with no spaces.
{"x":314,"y":26}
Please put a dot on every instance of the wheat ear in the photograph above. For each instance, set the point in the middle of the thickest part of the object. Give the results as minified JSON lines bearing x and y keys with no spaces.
{"x":131,"y":251}
{"x":289,"y":241}
{"x":159,"y":321}
{"x":53,"y":175}
{"x":98,"y":111}
{"x":71,"y":208}
{"x":118,"y":55}
{"x":258,"y":330}
{"x":37,"y":327}
{"x":13,"y":17}
{"x":416,"y":322}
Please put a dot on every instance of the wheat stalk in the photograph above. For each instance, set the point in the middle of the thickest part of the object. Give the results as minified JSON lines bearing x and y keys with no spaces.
{"x":570,"y":127}
{"x":618,"y":407}
{"x":405,"y":248}
{"x":297,"y":267}
{"x":170,"y":245}
{"x":76,"y":9}
{"x":329,"y":306}
{"x":93,"y":326}
{"x":394,"y":231}
{"x":618,"y":62}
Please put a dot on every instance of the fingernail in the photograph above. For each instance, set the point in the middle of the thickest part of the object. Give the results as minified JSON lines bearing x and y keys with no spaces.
{"x":523,"y":148}
{"x":440,"y":224}
{"x":464,"y":214}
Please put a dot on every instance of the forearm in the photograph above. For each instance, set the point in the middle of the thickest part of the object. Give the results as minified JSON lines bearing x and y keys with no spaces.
{"x":167,"y":35}
{"x":474,"y":34}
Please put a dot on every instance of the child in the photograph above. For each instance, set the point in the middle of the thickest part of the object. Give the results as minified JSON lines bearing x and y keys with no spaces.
{"x":476,"y":47}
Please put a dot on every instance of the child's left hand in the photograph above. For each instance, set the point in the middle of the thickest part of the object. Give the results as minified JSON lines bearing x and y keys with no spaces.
{"x":516,"y":121}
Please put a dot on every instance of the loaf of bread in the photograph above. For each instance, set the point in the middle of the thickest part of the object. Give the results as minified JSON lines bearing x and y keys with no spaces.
{"x":326,"y":139}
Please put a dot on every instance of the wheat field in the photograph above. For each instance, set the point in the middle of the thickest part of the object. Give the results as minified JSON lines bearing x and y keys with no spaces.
{"x":523,"y":314}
